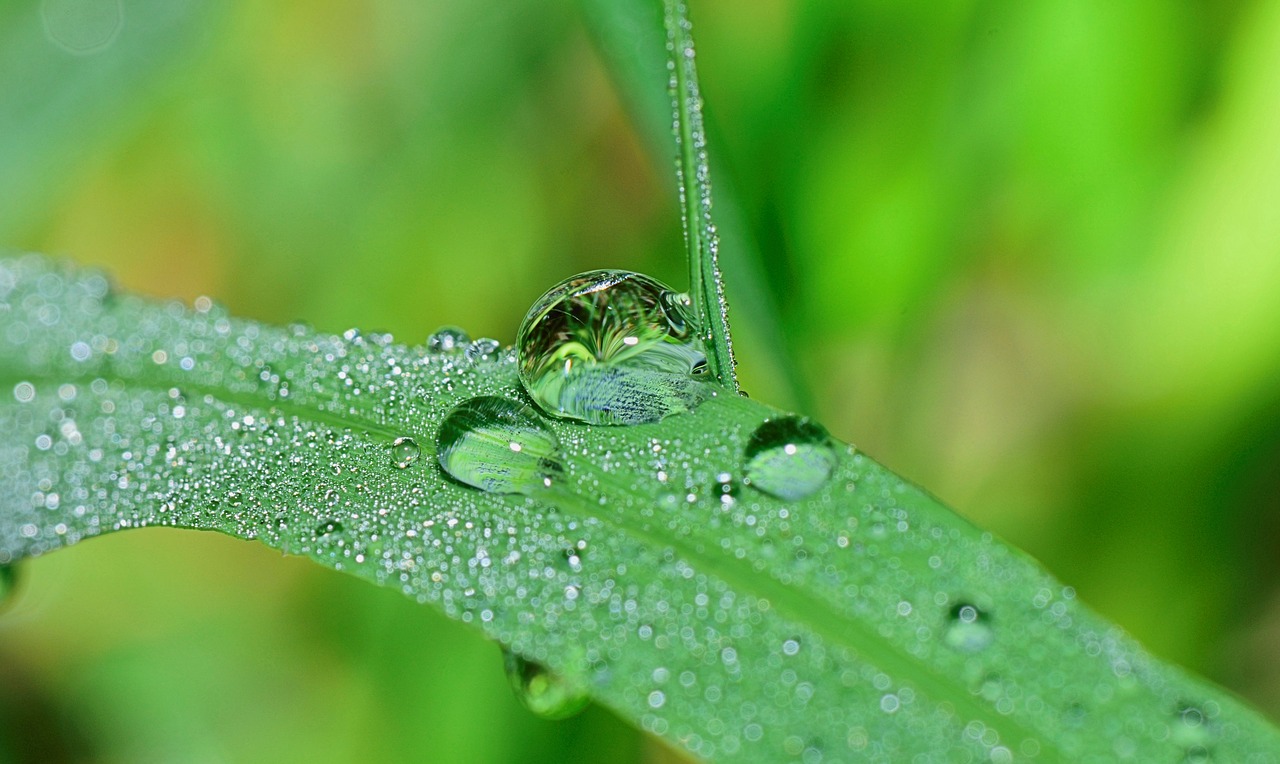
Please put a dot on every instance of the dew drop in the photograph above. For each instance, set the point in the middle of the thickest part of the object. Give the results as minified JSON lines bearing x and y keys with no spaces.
{"x":574,"y":553}
{"x":612,"y":347}
{"x":24,"y":392}
{"x":404,"y":451}
{"x":447,"y":339}
{"x":481,"y":348}
{"x":497,"y":445}
{"x":968,"y":628}
{"x":990,"y":687}
{"x":1075,"y":715}
{"x":328,"y":527}
{"x":789,"y":457}
{"x":9,"y":580}
{"x":1192,"y":732}
{"x":725,"y":488}
{"x":543,"y":692}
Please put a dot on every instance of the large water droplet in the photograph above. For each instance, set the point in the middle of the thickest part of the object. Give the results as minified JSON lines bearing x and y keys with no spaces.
{"x":447,"y":339}
{"x":543,"y":692}
{"x":612,"y":347}
{"x":968,"y":628}
{"x":789,"y":457}
{"x":498,"y":445}
{"x":404,"y":451}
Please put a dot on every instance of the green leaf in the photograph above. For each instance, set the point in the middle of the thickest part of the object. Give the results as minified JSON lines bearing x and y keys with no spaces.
{"x":863,"y":622}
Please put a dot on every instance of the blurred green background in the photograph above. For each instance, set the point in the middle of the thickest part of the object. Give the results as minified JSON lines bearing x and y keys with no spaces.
{"x":1025,"y":253}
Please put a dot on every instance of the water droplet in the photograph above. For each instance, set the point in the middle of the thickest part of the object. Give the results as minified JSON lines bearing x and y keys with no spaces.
{"x":447,"y":339}
{"x":9,"y":580}
{"x":968,"y":628}
{"x":328,"y":527}
{"x":1192,"y":731}
{"x":990,"y":687}
{"x":789,"y":457}
{"x":573,"y":554}
{"x":612,"y":347}
{"x":498,"y":445}
{"x":404,"y":451}
{"x":543,"y":692}
{"x":725,"y":488}
{"x":24,"y":392}
{"x":481,"y":348}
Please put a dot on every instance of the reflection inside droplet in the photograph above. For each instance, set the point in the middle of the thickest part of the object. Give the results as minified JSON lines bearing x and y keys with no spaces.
{"x":498,"y":445}
{"x":612,"y":347}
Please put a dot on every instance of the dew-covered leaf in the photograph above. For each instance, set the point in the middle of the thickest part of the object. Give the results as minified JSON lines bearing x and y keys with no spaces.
{"x":654,"y":565}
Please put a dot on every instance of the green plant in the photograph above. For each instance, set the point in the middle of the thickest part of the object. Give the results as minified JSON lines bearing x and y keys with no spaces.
{"x":908,"y":629}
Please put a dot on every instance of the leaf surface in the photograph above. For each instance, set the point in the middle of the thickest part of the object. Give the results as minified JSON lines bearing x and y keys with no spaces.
{"x":737,"y":625}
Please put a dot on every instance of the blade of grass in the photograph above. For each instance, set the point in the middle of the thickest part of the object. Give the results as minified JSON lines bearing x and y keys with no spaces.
{"x":629,"y":37}
{"x":693,"y":174}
